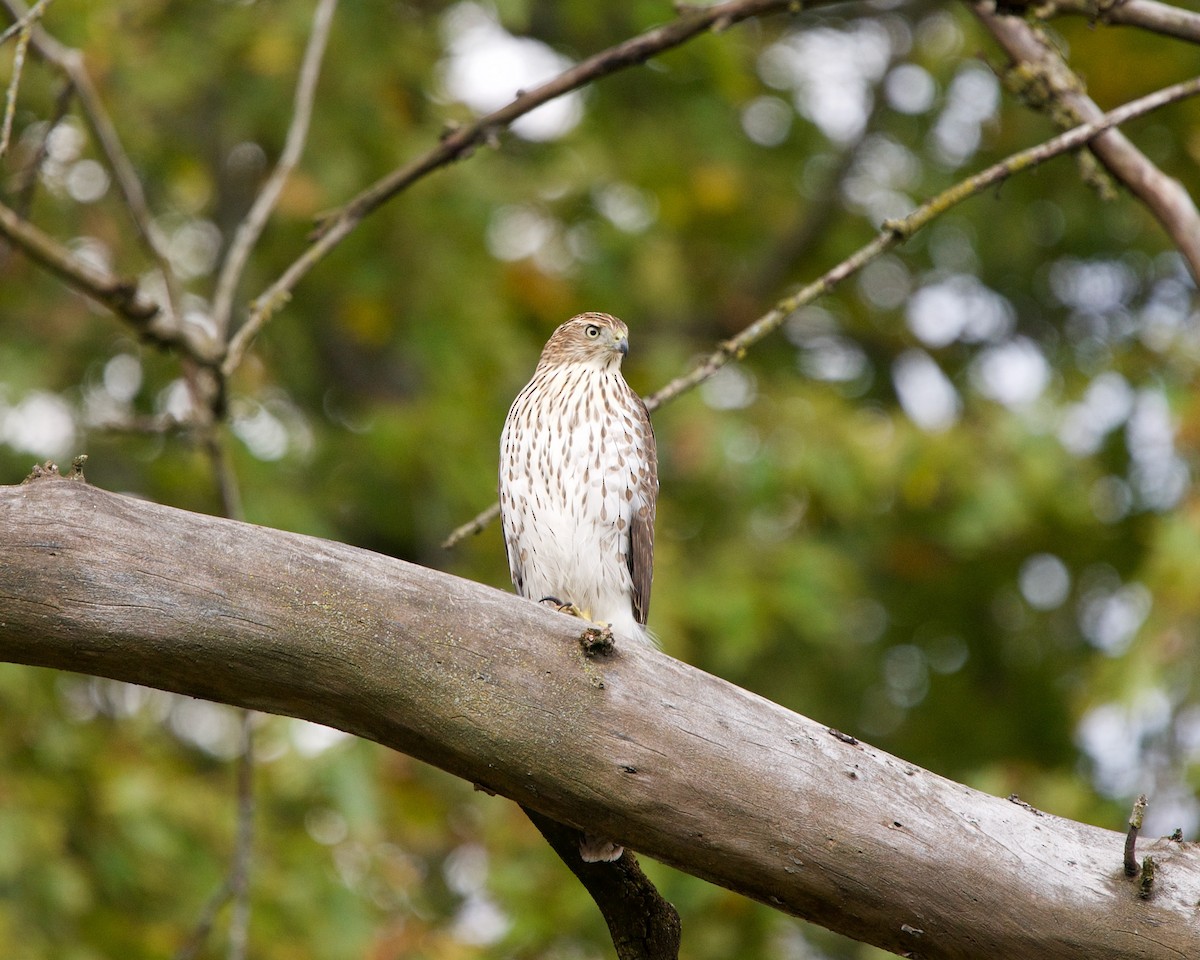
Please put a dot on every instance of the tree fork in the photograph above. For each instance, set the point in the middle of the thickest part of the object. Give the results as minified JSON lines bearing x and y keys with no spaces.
{"x":671,"y":761}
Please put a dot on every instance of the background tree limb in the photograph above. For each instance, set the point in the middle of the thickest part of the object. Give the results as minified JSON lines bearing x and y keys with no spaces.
{"x":1170,"y":21}
{"x":119,"y":295}
{"x":1165,"y":197}
{"x":891,"y":234}
{"x":498,"y":691}
{"x":460,"y":142}
{"x":70,"y":63}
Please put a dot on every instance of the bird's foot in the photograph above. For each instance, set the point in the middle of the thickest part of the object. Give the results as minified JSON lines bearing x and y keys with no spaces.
{"x":593,"y":849}
{"x":568,"y":608}
{"x":596,"y":639}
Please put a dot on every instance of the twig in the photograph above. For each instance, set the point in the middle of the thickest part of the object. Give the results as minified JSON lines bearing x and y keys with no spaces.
{"x":250,"y":229}
{"x":70,"y":63}
{"x":893,"y":233}
{"x":223,"y":473}
{"x":475,"y":525}
{"x":192,"y":946}
{"x":462,"y":141}
{"x":28,"y":178}
{"x":1135,"y":824}
{"x":234,"y":886}
{"x":25,"y":21}
{"x":239,"y":880}
{"x":10,"y":98}
{"x":1164,"y":196}
{"x":1148,"y":14}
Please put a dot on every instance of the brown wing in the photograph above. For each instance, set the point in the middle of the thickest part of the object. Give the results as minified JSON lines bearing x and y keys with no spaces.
{"x":641,"y":530}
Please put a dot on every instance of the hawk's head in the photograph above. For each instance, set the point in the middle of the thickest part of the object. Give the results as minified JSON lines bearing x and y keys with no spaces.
{"x":594,"y":339}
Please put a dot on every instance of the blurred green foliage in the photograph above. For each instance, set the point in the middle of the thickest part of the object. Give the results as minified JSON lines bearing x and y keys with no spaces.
{"x":949,"y":508}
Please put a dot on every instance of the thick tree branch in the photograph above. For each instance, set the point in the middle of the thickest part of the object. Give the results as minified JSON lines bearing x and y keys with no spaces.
{"x":643,"y":925}
{"x":893,"y":233}
{"x":461,"y":142}
{"x":1165,"y":197}
{"x":667,"y":759}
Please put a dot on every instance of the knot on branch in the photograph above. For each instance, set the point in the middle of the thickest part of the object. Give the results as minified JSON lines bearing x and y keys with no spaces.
{"x":1043,"y":86}
{"x":49,"y":470}
{"x":128,"y":300}
{"x":1013,"y":798}
{"x":731,"y":349}
{"x":1049,"y":86}
{"x":597,"y":641}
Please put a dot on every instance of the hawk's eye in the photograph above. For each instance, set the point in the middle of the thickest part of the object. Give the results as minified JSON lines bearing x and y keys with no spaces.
{"x":592,"y":331}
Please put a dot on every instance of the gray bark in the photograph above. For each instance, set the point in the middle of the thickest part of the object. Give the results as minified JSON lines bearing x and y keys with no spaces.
{"x":633,"y":745}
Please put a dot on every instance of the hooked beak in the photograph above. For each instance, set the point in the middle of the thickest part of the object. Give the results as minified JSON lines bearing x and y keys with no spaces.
{"x":621,"y":345}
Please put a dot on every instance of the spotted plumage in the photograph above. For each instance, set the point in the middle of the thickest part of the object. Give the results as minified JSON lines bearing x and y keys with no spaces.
{"x":579,"y":479}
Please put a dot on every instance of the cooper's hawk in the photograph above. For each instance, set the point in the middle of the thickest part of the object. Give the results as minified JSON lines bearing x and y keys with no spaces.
{"x":578,"y":485}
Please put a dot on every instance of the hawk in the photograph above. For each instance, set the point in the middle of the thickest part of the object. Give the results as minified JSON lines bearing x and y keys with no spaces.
{"x":579,"y":479}
{"x":578,"y":486}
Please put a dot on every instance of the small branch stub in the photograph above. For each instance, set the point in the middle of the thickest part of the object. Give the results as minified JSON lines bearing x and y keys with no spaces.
{"x":1135,"y":824}
{"x":1147,"y":881}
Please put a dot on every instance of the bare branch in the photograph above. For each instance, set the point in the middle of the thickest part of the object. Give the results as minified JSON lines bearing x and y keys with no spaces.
{"x":475,"y":525}
{"x":194,"y":943}
{"x":462,"y":141}
{"x":121,"y":296}
{"x":10,"y":96}
{"x":893,"y":232}
{"x":24,"y":22}
{"x":24,"y":29}
{"x":643,"y":925}
{"x":1150,"y":15}
{"x":1164,"y":196}
{"x":70,"y":63}
{"x":239,"y":878}
{"x":28,"y":177}
{"x":250,"y":229}
{"x":495,"y":689}
{"x":234,"y":888}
